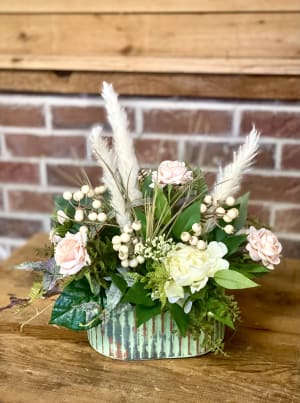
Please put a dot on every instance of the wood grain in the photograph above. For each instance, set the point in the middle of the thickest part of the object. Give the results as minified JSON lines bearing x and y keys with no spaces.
{"x":154,"y":84}
{"x":196,"y":36}
{"x":45,"y":362}
{"x":133,"y":6}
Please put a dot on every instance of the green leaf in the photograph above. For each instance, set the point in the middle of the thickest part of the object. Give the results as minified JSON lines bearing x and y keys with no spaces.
{"x":162,"y":207}
{"x":181,"y":319}
{"x":119,"y":282}
{"x":242,"y":201}
{"x":76,"y":308}
{"x":234,"y":242}
{"x":186,"y":219}
{"x":138,"y":295}
{"x":146,"y":190}
{"x":233,"y":280}
{"x":142,"y":218}
{"x":145,"y":313}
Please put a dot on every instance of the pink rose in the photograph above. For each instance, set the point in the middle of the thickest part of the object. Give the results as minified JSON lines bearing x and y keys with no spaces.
{"x":173,"y":173}
{"x":71,"y":254}
{"x":263,"y":245}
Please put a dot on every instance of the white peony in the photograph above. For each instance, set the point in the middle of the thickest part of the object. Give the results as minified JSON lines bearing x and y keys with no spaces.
{"x":192,"y":267}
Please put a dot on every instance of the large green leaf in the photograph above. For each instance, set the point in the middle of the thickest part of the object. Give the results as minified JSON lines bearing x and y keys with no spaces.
{"x":234,"y":242}
{"x":162,"y":207}
{"x":239,"y":222}
{"x":119,"y":282}
{"x":233,"y":280}
{"x":145,"y":313}
{"x":186,"y":219}
{"x":138,"y":295}
{"x":181,"y":319}
{"x":76,"y":308}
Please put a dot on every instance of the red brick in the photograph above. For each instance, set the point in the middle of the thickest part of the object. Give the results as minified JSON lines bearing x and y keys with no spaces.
{"x":187,"y":121}
{"x":1,"y":199}
{"x":288,"y":220}
{"x":290,"y":248}
{"x":272,"y":188}
{"x":75,"y":117}
{"x":49,"y":146}
{"x":17,"y":228}
{"x":21,"y":115}
{"x":154,"y":151}
{"x":19,"y":172}
{"x":290,"y":156}
{"x":215,"y":154}
{"x":272,"y":124}
{"x":260,"y":213}
{"x":20,"y":200}
{"x":72,"y":175}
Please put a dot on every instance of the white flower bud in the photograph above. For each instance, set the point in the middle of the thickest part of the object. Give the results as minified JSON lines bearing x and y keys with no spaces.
{"x":220,"y":211}
{"x":96,"y":204}
{"x":93,"y":216}
{"x":91,"y":193}
{"x":67,"y":195}
{"x":84,"y":229}
{"x":230,"y":201}
{"x":122,"y":255}
{"x":193,"y":241}
{"x":203,"y":208}
{"x":123,"y":249}
{"x":79,"y":215}
{"x":201,"y":245}
{"x":185,"y":236}
{"x":125,"y":263}
{"x":100,"y":189}
{"x":136,"y":225}
{"x":196,"y":227}
{"x":133,"y":263}
{"x":116,"y":239}
{"x":125,"y":237}
{"x":208,"y":199}
{"x":140,"y":259}
{"x":77,"y":196}
{"x":116,"y":246}
{"x":102,"y":217}
{"x":128,"y":228}
{"x":233,"y":213}
{"x":227,"y":218}
{"x":134,"y":241}
{"x":85,"y":189}
{"x":61,"y":216}
{"x":229,"y":229}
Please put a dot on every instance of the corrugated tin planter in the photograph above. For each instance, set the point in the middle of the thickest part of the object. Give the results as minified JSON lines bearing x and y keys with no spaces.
{"x":119,"y":338}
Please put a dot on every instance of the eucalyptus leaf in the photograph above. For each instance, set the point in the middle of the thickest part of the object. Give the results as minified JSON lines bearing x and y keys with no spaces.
{"x":233,"y":280}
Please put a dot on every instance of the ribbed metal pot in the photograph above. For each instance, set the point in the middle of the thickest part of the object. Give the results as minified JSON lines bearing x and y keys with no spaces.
{"x":119,"y":338}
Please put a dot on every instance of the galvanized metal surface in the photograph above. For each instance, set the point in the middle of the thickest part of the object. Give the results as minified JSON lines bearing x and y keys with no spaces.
{"x":119,"y":338}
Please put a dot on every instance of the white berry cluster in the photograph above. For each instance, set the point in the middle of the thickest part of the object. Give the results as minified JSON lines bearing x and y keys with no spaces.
{"x":83,"y":211}
{"x":156,"y":248}
{"x":193,"y":239}
{"x":125,"y":244}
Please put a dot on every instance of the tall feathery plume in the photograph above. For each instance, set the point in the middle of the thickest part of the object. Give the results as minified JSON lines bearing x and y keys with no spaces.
{"x":123,"y":145}
{"x":108,"y":162}
{"x":229,"y":178}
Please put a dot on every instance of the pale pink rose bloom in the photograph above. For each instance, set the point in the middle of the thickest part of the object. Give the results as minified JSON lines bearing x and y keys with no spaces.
{"x":263,"y":245}
{"x":71,"y":254}
{"x":172,"y":173}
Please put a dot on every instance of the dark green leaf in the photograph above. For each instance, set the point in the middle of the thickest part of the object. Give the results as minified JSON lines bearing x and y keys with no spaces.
{"x":162,"y":208}
{"x":146,"y":190}
{"x":145,"y":313}
{"x":119,"y":282}
{"x":76,"y":308}
{"x":240,"y":221}
{"x":142,"y":218}
{"x":181,"y":319}
{"x":186,"y":219}
{"x":234,"y":242}
{"x":138,"y":295}
{"x":233,"y":280}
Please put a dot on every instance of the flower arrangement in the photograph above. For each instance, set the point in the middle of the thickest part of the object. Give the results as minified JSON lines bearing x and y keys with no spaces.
{"x":156,"y":241}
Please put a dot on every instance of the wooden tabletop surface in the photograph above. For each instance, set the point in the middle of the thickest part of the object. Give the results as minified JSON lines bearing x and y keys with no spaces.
{"x":45,"y":363}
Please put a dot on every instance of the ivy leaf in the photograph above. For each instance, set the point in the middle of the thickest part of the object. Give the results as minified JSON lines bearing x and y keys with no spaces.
{"x":233,"y":280}
{"x":186,"y":219}
{"x":242,"y":201}
{"x":145,"y":313}
{"x":138,"y":295}
{"x":76,"y":308}
{"x":181,"y":319}
{"x":234,"y":242}
{"x":162,"y":207}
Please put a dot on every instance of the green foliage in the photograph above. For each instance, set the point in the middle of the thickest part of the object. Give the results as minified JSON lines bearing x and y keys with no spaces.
{"x":138,"y":295}
{"x":144,"y":313}
{"x":181,"y":319}
{"x":140,"y":215}
{"x":242,"y":203}
{"x":146,"y":190}
{"x":233,"y":280}
{"x":162,"y":207}
{"x":77,"y":308}
{"x":233,"y":243}
{"x":155,"y":280}
{"x":248,"y":268}
{"x":119,"y":282}
{"x":186,"y":219}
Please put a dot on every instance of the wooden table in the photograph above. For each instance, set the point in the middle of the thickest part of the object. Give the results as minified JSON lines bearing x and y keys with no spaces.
{"x":45,"y":363}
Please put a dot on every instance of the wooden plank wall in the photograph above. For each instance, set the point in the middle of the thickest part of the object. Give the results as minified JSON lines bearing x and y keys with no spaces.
{"x":169,"y":42}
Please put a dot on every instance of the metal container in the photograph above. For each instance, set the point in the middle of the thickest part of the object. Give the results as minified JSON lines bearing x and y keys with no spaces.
{"x":118,"y":337}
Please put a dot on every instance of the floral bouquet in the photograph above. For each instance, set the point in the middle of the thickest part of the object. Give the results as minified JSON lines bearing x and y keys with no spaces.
{"x":143,"y":261}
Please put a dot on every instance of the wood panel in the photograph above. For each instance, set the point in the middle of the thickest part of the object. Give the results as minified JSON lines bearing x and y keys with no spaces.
{"x":160,"y":6}
{"x":142,"y":84}
{"x":194,"y":36}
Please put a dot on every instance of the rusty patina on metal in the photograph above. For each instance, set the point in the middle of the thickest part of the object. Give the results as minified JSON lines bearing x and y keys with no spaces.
{"x":119,"y":338}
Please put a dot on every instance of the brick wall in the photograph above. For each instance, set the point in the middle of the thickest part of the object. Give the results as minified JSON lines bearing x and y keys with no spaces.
{"x":43,"y":140}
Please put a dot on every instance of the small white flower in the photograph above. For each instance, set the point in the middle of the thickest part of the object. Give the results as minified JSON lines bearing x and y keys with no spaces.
{"x":84,"y":229}
{"x":85,"y":189}
{"x":193,"y":241}
{"x":125,"y":263}
{"x":92,"y":216}
{"x":79,"y":215}
{"x":185,"y":236}
{"x":96,"y":204}
{"x":77,"y":196}
{"x":208,"y":199}
{"x":229,"y":229}
{"x":227,"y":218}
{"x":102,"y":217}
{"x":230,"y":201}
{"x":197,"y":228}
{"x":116,"y":246}
{"x":140,"y":259}
{"x":100,"y":189}
{"x":61,"y":216}
{"x":91,"y":193}
{"x":125,"y":237}
{"x":123,"y":249}
{"x":203,"y":208}
{"x":220,"y":211}
{"x":128,"y":228}
{"x":233,"y":213}
{"x":116,"y":239}
{"x":67,"y":195}
{"x":201,"y":245}
{"x":136,"y":225}
{"x":133,"y":263}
